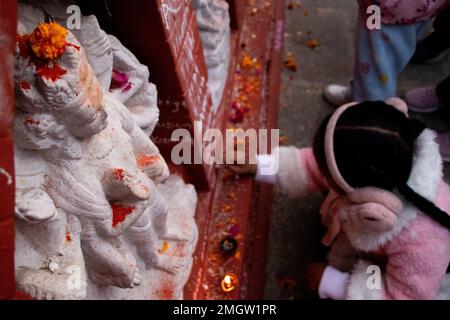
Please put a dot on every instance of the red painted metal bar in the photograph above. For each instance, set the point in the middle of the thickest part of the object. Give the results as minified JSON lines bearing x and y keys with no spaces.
{"x":263,"y":194}
{"x":8,"y":22}
{"x":239,"y":205}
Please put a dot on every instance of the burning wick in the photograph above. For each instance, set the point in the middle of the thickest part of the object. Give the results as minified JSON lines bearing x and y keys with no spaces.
{"x":229,"y":282}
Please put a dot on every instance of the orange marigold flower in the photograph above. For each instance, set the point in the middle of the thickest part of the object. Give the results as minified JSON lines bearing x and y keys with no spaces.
{"x":48,"y":41}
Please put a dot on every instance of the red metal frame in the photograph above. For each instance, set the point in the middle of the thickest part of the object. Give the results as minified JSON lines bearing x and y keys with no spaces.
{"x":242,"y":202}
{"x":263,"y":194}
{"x":8,"y":18}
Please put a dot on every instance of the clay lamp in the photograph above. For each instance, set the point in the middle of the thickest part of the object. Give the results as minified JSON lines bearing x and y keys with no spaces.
{"x":229,"y":282}
{"x":228,"y":245}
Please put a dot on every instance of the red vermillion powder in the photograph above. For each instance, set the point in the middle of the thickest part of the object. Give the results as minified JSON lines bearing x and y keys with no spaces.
{"x":120,"y":213}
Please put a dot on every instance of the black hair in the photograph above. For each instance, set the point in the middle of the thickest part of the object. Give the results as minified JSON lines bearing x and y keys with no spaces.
{"x":374,"y":145}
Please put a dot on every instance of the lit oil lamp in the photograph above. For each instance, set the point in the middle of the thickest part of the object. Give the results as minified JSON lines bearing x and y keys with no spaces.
{"x":229,"y":282}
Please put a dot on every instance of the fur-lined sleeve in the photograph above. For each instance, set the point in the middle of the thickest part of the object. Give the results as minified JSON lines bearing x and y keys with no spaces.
{"x":417,"y":263}
{"x":298,"y":174}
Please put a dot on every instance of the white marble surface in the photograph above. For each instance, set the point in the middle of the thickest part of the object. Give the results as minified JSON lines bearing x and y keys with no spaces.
{"x":213,"y":19}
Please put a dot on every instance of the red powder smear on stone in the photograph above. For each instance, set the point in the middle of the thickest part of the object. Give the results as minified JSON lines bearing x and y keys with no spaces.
{"x":120,"y":213}
{"x":30,"y":120}
{"x":119,"y":174}
{"x":120,"y":80}
{"x":127,"y":87}
{"x":68,"y":237}
{"x":52,"y":73}
{"x":237,"y":115}
{"x":25,"y":85}
{"x":179,"y":250}
{"x":23,"y":48}
{"x":167,"y":291}
{"x":146,"y":160}
{"x":73,"y":46}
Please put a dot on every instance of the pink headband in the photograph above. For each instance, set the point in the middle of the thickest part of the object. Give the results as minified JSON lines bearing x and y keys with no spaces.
{"x":397,"y":103}
{"x":329,"y":149}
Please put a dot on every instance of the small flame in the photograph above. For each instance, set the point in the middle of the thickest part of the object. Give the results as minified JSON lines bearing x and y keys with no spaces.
{"x":229,"y":282}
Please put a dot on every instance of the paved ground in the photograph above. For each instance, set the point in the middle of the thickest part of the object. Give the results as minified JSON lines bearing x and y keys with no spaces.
{"x":295,"y":232}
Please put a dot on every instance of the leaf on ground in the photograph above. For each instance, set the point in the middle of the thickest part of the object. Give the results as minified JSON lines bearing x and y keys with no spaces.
{"x":312,"y":43}
{"x":290,"y":63}
{"x":286,"y":282}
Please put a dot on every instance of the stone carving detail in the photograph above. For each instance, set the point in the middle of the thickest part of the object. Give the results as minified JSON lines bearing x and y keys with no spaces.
{"x":97,"y":215}
{"x":106,"y":54}
{"x":113,"y":60}
{"x":213,"y":19}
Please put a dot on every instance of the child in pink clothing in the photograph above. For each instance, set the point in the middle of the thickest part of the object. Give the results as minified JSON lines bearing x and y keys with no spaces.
{"x":387,"y":204}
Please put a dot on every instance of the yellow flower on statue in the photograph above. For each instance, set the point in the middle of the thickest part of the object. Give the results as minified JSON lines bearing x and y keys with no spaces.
{"x":48,"y":41}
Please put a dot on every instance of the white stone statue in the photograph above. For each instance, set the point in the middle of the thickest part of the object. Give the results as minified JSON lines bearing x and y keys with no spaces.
{"x":92,"y":223}
{"x":213,"y":20}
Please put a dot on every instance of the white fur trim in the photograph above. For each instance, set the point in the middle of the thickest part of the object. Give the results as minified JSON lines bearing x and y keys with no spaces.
{"x":426,"y":174}
{"x":358,"y":288}
{"x":333,"y":284}
{"x":266,"y":163}
{"x":291,"y":179}
{"x":425,"y":178}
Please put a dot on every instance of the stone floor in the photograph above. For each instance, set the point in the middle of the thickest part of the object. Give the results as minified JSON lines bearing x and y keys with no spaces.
{"x":295,"y":229}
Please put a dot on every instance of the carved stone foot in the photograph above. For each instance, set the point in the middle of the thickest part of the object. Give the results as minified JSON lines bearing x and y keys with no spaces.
{"x":64,"y":284}
{"x":170,"y":265}
{"x":172,"y":236}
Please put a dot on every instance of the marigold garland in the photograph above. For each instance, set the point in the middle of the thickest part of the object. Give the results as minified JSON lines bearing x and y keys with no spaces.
{"x":48,"y":41}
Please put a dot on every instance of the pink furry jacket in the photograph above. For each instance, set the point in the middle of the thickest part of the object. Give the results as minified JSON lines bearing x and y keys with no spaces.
{"x":406,"y":11}
{"x":413,"y":257}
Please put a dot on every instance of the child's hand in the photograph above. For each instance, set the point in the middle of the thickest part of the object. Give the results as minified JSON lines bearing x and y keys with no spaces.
{"x":243,"y":169}
{"x":250,"y":163}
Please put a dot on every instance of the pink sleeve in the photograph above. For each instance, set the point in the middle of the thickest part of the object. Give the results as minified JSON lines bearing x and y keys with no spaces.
{"x":417,"y":261}
{"x":416,"y":266}
{"x":419,"y":258}
{"x":298,"y":174}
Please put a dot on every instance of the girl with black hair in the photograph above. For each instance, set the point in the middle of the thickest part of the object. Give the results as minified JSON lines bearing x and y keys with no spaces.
{"x":386,"y":206}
